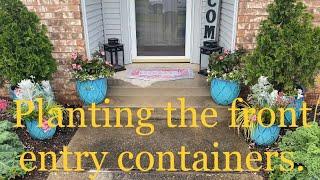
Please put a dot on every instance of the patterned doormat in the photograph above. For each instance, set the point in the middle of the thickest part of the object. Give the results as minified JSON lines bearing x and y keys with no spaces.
{"x":161,"y":74}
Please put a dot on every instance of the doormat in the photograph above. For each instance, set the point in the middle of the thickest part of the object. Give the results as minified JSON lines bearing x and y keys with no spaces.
{"x":161,"y":74}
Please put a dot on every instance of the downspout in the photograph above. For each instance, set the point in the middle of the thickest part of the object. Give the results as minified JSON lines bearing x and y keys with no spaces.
{"x":85,"y":27}
{"x":235,"y":25}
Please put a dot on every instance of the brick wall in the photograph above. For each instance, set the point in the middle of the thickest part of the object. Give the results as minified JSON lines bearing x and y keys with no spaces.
{"x":65,"y":30}
{"x":252,"y":12}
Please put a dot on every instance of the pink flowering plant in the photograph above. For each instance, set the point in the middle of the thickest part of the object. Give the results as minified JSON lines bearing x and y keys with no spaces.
{"x":226,"y":66}
{"x":90,"y":69}
{"x":4,"y":104}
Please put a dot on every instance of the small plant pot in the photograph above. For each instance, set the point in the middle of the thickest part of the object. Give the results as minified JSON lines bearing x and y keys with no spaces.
{"x":265,"y":136}
{"x":38,"y":133}
{"x":224,"y":92}
{"x":12,"y":94}
{"x":92,"y":91}
{"x":297,"y":105}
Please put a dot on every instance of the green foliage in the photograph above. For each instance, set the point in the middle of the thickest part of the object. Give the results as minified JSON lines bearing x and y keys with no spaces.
{"x":10,"y":149}
{"x":226,"y":66}
{"x":288,"y":48}
{"x":304,"y":143}
{"x":25,"y":49}
{"x":95,"y":68}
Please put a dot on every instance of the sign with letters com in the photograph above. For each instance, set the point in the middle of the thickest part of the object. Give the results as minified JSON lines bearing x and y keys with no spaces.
{"x":211,"y":19}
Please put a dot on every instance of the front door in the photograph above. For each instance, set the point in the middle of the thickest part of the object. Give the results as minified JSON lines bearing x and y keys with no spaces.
{"x":160,"y":28}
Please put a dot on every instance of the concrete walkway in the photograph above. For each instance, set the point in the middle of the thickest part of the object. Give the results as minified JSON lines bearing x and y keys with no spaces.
{"x":118,"y":140}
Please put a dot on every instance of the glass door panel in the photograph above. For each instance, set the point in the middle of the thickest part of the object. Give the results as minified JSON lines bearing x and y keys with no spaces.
{"x":161,"y":27}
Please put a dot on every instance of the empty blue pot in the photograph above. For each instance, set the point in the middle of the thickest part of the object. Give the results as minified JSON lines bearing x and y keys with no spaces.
{"x":265,"y":136}
{"x":94,"y":91}
{"x":297,"y":105}
{"x":38,"y":133}
{"x":224,"y":92}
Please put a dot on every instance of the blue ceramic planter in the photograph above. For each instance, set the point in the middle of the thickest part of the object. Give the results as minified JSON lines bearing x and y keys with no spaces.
{"x":38,"y":133}
{"x":297,"y":105}
{"x":12,"y":94}
{"x":92,"y":91}
{"x":265,"y":136}
{"x":224,"y":92}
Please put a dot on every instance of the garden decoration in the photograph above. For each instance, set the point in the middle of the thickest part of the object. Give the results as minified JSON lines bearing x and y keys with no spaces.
{"x":91,"y":77}
{"x":262,"y":96}
{"x":209,"y":47}
{"x":112,"y":51}
{"x":28,"y":90}
{"x":25,"y":50}
{"x":288,"y":48}
{"x":225,"y":75}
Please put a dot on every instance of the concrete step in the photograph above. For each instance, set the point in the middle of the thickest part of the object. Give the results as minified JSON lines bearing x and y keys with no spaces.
{"x":118,"y":175}
{"x":161,"y":91}
{"x":198,"y":81}
{"x":157,"y":114}
{"x":163,"y":139}
{"x":159,"y":104}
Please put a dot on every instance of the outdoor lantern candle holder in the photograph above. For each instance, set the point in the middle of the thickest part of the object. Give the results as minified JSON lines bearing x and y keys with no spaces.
{"x":206,"y":50}
{"x":113,"y":52}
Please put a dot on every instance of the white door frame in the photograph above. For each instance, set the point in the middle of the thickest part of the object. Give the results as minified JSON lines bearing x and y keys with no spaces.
{"x":189,"y":29}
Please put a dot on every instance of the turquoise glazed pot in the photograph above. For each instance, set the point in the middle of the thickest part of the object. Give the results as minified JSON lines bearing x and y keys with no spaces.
{"x":265,"y":136}
{"x":38,"y":133}
{"x":12,"y":94}
{"x":297,"y":105}
{"x":224,"y":92}
{"x":94,"y":91}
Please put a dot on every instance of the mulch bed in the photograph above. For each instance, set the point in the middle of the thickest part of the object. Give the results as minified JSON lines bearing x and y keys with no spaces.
{"x":62,"y":138}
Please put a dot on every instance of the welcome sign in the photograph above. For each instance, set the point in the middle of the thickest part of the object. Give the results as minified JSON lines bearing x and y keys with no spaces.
{"x":211,"y":18}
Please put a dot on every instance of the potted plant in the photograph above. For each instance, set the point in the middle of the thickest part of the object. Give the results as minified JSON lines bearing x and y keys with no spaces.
{"x":287,"y":52}
{"x":91,"y":76}
{"x":262,"y":95}
{"x":28,"y":90}
{"x":225,"y":75}
{"x":25,"y":49}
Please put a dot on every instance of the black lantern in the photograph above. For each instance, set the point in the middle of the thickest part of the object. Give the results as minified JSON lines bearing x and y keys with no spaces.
{"x":206,"y":50}
{"x":114,"y":50}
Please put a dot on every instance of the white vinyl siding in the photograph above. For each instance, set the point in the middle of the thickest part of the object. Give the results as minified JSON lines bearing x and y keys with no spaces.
{"x":94,"y":24}
{"x":112,"y":19}
{"x":227,"y":24}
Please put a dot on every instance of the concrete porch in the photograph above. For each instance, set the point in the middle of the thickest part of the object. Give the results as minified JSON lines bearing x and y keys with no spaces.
{"x":118,"y":140}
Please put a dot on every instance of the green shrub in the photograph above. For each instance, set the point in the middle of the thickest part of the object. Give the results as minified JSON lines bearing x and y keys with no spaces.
{"x":10,"y":149}
{"x":288,"y":47}
{"x":25,"y":49}
{"x":304,"y":143}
